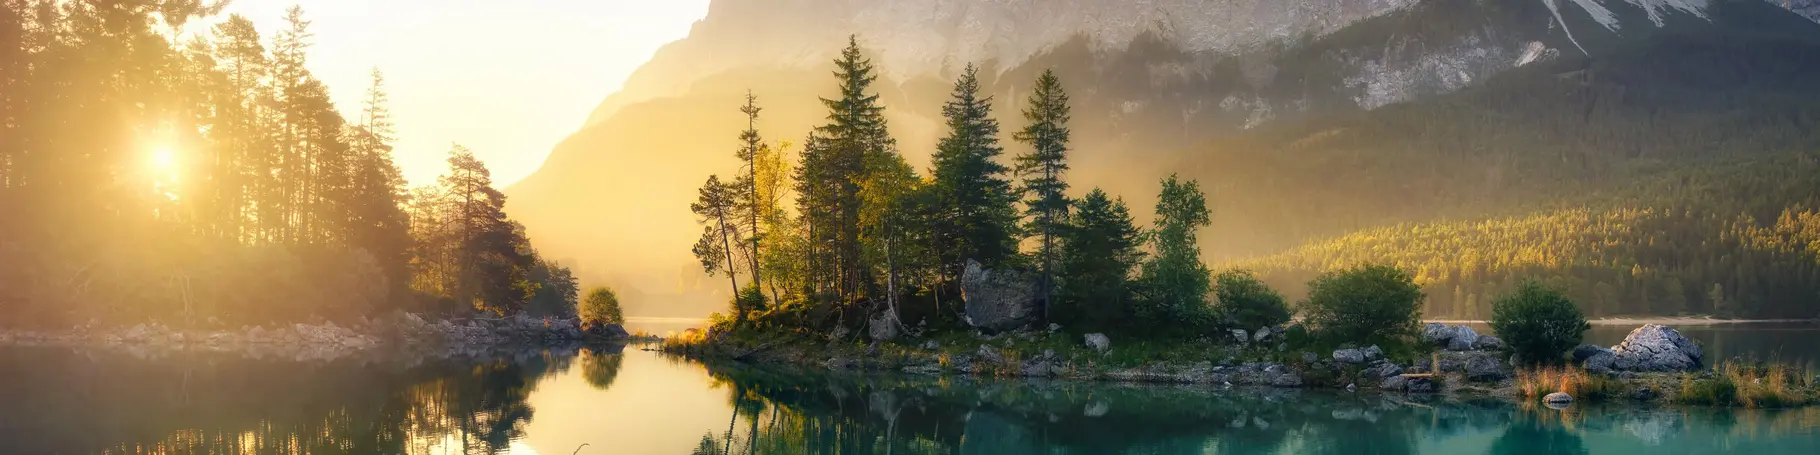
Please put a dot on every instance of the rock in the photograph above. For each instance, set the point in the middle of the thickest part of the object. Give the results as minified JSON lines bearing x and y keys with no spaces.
{"x":1096,"y":409}
{"x":1601,"y":363}
{"x":1654,"y":347}
{"x":1436,"y":333}
{"x":1464,"y":338}
{"x":1488,"y":343}
{"x":1053,"y":327}
{"x":1587,"y":351}
{"x":1039,"y":368}
{"x":883,"y":327}
{"x":1310,"y":357}
{"x":1286,"y":378}
{"x":1485,"y":368}
{"x":1382,"y":369}
{"x":989,"y":355}
{"x":1261,"y":334}
{"x":1352,"y":387}
{"x":931,"y":345}
{"x":998,"y":300}
{"x":1241,"y":336}
{"x":1351,"y":356}
{"x":840,"y":332}
{"x":1395,"y":383}
{"x":1373,"y":353}
{"x":1422,"y":385}
{"x":607,"y":332}
{"x":138,"y":332}
{"x":1558,"y":398}
{"x":1098,"y":342}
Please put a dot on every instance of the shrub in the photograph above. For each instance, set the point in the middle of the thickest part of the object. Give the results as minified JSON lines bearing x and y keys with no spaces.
{"x":1365,"y":305}
{"x":751,"y":299}
{"x":601,"y":307}
{"x":1248,"y":302}
{"x":1539,"y":324}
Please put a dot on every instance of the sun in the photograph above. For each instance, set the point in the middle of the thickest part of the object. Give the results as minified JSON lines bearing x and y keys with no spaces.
{"x":164,"y":159}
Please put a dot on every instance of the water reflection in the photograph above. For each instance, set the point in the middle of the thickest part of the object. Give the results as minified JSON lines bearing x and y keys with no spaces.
{"x":630,"y":401}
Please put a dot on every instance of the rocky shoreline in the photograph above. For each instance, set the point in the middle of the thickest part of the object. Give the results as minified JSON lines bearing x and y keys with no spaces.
{"x":402,"y":333}
{"x":1649,"y":364}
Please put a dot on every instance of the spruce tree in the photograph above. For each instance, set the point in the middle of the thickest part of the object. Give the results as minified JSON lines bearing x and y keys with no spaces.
{"x":834,"y":164}
{"x":751,"y":147}
{"x":1041,"y":168}
{"x":975,"y":218}
{"x":1099,"y":251}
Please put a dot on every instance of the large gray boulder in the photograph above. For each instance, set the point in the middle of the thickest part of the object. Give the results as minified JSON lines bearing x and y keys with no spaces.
{"x":1098,"y":342}
{"x":1654,"y":347}
{"x":1349,"y":356}
{"x":1485,"y":368}
{"x":1451,"y":337}
{"x":998,"y":300}
{"x":883,"y":327}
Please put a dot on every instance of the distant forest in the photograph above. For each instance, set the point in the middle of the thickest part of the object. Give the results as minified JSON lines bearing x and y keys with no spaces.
{"x":214,"y":181}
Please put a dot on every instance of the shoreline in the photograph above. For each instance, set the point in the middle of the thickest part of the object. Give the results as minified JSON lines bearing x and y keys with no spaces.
{"x":1667,"y":321}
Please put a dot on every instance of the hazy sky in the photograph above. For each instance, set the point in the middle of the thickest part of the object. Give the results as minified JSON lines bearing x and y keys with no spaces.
{"x":508,"y":79}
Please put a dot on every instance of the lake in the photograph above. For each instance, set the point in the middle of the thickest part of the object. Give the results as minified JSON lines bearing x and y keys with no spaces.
{"x":629,"y":401}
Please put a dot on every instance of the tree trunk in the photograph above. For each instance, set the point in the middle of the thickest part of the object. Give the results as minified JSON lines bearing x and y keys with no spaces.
{"x":732,"y":276}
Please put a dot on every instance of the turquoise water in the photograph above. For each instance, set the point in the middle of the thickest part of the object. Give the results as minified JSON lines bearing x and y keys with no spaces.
{"x":59,"y":401}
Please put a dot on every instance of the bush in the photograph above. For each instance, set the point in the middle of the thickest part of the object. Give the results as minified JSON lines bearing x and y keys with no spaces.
{"x":601,"y":307}
{"x":750,"y":300}
{"x":1537,"y":323}
{"x":1244,"y":300}
{"x":1365,"y":305}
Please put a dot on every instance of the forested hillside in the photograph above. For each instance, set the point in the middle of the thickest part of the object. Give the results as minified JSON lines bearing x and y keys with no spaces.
{"x":1677,"y":177}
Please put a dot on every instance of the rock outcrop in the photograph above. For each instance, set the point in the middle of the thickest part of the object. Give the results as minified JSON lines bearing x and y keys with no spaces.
{"x":998,"y":300}
{"x":1654,"y":347}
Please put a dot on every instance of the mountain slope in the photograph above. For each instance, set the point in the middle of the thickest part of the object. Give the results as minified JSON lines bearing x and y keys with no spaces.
{"x":1149,"y":81}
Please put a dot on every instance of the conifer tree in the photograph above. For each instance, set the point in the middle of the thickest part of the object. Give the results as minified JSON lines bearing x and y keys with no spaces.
{"x":716,"y":205}
{"x":752,"y":147}
{"x":493,"y":260}
{"x":1042,"y":168}
{"x":975,"y":218}
{"x":834,"y":163}
{"x":1099,"y":251}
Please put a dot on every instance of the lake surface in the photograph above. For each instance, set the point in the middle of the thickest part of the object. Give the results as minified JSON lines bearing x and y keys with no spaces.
{"x":628,"y":401}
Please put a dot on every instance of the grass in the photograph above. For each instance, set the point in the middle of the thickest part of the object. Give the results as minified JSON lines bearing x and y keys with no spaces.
{"x":1539,"y":382}
{"x":1748,"y":385}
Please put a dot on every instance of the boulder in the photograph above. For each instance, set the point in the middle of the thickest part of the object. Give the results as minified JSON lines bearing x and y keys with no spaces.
{"x":1558,"y":398}
{"x":1382,"y":369}
{"x":607,"y":332}
{"x":1286,"y":378}
{"x":990,"y":355}
{"x":1263,"y":333}
{"x":998,"y":300}
{"x":1485,"y":368}
{"x":1654,"y":347}
{"x":882,"y":327}
{"x":1488,"y":343}
{"x":1098,"y":342}
{"x":1350,"y":356}
{"x":931,"y":345}
{"x":1436,"y":333}
{"x":1601,"y":363}
{"x":1464,"y":339}
{"x":1587,"y":351}
{"x":1372,"y":353}
{"x":1241,"y":336}
{"x":1422,"y":385}
{"x":1394,"y":383}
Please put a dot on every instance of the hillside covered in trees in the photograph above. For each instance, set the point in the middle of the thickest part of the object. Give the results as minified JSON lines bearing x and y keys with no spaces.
{"x":212,"y":181}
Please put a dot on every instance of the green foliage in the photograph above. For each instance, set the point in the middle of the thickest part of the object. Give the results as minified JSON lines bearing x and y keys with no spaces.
{"x":1250,"y":303}
{"x":1716,"y":391}
{"x":1174,"y":281}
{"x":835,"y":163}
{"x":976,"y":218}
{"x":1539,"y":324}
{"x":750,"y":299}
{"x":601,"y":306}
{"x":1042,"y":167}
{"x":1364,"y":305}
{"x":1099,"y":251}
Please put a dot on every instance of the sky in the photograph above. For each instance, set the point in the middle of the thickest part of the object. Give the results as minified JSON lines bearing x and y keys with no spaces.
{"x":509,"y":79}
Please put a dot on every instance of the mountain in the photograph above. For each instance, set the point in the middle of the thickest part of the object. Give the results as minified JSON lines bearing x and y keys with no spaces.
{"x":1199,"y":87}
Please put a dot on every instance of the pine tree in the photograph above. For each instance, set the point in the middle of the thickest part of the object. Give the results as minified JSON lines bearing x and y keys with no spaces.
{"x":752,"y":147}
{"x":377,"y":221}
{"x":834,"y":163}
{"x":717,"y":207}
{"x":1046,"y":201}
{"x":1099,"y":251}
{"x":976,"y":218}
{"x":492,"y":260}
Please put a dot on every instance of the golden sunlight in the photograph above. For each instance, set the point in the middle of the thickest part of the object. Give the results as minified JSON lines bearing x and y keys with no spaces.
{"x":164,"y":160}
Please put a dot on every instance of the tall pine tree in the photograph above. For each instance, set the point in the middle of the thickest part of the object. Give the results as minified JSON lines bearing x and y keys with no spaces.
{"x":834,"y":164}
{"x":1045,"y":198}
{"x":1099,"y":251}
{"x":976,"y":218}
{"x":751,"y":147}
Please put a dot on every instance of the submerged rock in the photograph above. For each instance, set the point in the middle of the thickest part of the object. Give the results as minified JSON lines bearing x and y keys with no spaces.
{"x":1558,"y":398}
{"x":1654,"y":347}
{"x":998,"y":300}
